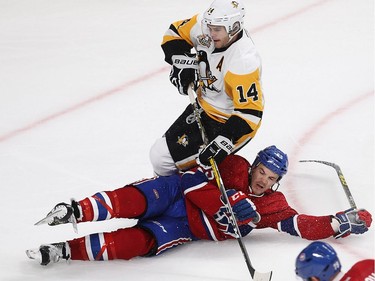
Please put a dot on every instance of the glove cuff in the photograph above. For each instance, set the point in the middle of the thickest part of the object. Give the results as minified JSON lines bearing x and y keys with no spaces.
{"x":342,"y":226}
{"x":185,"y":61}
{"x":335,"y":224}
{"x":200,"y":164}
{"x":224,"y":143}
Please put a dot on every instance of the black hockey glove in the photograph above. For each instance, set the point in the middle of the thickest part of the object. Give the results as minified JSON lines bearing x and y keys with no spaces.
{"x":183,"y":72}
{"x":218,"y":149}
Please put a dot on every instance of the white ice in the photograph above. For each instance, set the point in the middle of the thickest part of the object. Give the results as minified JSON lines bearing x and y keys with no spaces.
{"x":85,"y":92}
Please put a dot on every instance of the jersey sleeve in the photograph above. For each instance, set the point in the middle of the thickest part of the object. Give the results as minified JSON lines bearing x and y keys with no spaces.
{"x":177,"y":39}
{"x":276,"y":213}
{"x":307,"y":227}
{"x":246,"y":92}
{"x":362,"y":270}
{"x":202,"y":190}
{"x":234,"y":170}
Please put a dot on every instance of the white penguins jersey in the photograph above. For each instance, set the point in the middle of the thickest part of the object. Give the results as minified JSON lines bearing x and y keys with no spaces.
{"x":229,"y":78}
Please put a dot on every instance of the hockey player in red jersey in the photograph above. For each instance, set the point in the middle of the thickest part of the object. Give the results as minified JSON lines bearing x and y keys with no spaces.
{"x":319,"y":262}
{"x":176,"y":209}
{"x":213,"y":51}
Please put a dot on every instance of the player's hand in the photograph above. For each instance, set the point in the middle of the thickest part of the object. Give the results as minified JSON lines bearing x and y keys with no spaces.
{"x":243,"y":208}
{"x":353,"y":221}
{"x":183,"y":72}
{"x":218,"y":149}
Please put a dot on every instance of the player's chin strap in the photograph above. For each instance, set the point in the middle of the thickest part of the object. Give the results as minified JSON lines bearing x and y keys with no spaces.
{"x":255,"y":275}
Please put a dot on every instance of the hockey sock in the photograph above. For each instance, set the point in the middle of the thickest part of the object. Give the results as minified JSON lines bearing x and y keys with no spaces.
{"x":125,"y":202}
{"x":121,"y":244}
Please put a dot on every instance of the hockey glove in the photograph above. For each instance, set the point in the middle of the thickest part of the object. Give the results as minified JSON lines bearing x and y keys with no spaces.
{"x":244,"y":211}
{"x":218,"y":149}
{"x":352,"y":221}
{"x":183,"y":72}
{"x":243,"y":208}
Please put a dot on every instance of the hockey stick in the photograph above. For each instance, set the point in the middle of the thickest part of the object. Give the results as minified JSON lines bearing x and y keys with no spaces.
{"x":341,"y":177}
{"x":255,"y":275}
{"x":197,"y":115}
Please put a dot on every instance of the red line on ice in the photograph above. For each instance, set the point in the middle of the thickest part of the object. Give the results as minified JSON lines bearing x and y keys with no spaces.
{"x":307,"y":136}
{"x":82,"y":104}
{"x":135,"y":81}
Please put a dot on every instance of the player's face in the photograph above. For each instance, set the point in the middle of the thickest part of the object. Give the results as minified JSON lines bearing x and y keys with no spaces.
{"x":219,"y":35}
{"x":262,"y":179}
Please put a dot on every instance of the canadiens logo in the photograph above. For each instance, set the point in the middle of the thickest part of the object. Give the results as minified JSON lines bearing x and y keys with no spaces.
{"x":183,"y":140}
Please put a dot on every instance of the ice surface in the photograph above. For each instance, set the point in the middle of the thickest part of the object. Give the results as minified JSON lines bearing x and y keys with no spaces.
{"x":85,"y":92}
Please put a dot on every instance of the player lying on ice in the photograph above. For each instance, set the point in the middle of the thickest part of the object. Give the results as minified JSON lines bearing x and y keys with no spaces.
{"x":177,"y":209}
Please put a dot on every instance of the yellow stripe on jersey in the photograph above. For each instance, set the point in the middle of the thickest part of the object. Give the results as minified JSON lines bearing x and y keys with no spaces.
{"x":247,"y":95}
{"x":183,"y":28}
{"x":211,"y":111}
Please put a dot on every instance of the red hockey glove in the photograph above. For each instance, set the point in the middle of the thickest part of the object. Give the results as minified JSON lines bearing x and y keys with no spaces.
{"x":365,"y":216}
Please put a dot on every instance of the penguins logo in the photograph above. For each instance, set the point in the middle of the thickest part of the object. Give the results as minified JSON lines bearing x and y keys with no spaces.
{"x":204,"y":40}
{"x":183,"y":140}
{"x":206,"y":80}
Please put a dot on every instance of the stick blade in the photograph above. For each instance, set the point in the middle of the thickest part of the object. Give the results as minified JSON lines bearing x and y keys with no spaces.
{"x":259,"y":276}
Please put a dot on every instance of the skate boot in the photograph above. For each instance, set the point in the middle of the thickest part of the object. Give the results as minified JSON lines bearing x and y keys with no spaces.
{"x":62,"y":213}
{"x":48,"y":253}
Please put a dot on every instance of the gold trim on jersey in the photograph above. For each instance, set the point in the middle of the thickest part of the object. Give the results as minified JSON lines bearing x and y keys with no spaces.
{"x":247,"y":95}
{"x":183,"y":28}
{"x":187,"y":163}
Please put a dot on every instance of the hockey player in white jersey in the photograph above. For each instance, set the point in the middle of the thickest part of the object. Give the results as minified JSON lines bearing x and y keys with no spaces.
{"x":213,"y":52}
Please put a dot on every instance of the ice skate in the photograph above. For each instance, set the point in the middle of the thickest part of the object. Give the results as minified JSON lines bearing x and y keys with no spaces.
{"x":48,"y":253}
{"x":63,"y":213}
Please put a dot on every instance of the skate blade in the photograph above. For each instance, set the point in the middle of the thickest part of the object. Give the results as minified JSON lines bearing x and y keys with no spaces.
{"x":47,"y":218}
{"x":34,"y":254}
